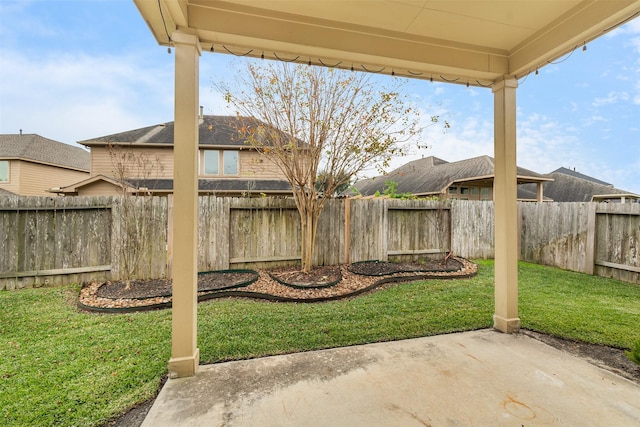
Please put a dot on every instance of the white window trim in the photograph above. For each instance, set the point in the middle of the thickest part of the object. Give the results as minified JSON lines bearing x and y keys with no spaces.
{"x":221,"y":172}
{"x":8,"y":172}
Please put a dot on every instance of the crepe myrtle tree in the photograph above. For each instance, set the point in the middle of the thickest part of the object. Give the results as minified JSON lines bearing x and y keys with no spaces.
{"x":312,"y":121}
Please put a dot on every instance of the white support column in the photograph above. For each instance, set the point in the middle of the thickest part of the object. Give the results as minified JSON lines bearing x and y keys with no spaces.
{"x":184,"y":352}
{"x":505,"y":195}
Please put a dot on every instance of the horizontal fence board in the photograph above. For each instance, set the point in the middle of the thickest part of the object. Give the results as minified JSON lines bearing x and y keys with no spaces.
{"x":618,"y":266}
{"x":57,"y":272}
{"x":265,"y":259}
{"x":416,"y":252}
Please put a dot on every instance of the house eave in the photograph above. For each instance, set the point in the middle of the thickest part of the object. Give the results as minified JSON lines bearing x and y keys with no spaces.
{"x":39,"y":162}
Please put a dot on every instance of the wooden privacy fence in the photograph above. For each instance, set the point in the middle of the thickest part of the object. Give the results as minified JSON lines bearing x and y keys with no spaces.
{"x":263,"y":232}
{"x":593,"y":238}
{"x":58,"y":240}
{"x":53,"y":240}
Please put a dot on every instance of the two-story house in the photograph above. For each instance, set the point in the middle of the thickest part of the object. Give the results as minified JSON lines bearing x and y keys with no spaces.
{"x":30,"y":164}
{"x":141,"y":160}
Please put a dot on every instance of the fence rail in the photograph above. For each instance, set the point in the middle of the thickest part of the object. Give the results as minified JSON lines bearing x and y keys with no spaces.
{"x":51,"y":240}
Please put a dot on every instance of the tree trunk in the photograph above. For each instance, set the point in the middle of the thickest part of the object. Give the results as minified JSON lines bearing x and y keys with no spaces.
{"x":309,"y":223}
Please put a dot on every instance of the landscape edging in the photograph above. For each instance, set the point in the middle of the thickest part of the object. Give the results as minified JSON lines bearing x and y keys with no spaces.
{"x":273,"y":298}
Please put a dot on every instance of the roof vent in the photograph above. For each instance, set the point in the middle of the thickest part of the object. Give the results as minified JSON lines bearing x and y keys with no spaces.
{"x":20,"y":132}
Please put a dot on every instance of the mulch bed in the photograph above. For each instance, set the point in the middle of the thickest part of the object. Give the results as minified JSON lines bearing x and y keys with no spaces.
{"x":286,"y":284}
{"x":152,"y":288}
{"x":382,"y":268}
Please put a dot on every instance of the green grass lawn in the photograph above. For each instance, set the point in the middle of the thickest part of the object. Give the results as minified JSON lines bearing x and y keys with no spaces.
{"x":59,"y":366}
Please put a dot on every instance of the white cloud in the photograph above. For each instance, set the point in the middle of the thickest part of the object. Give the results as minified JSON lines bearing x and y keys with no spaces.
{"x":611,"y":98}
{"x":76,"y":97}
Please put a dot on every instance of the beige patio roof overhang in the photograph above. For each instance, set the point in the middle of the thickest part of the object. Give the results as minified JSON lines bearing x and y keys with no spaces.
{"x":472,"y":42}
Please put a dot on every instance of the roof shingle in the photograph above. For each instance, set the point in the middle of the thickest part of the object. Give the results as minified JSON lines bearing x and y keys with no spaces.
{"x":213,"y":130}
{"x":431,"y":175}
{"x":36,"y":148}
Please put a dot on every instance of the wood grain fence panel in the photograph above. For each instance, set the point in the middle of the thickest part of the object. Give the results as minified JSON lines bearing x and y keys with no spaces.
{"x":158,"y":250}
{"x":207,"y":233}
{"x":146,"y":229}
{"x":417,"y":229}
{"x":264,"y":231}
{"x":46,"y":235}
{"x":8,"y":234}
{"x":329,"y":247}
{"x":367,"y":218}
{"x":222,"y":236}
{"x":472,"y":229}
{"x":618,"y":242}
{"x":555,"y":234}
{"x":116,"y":237}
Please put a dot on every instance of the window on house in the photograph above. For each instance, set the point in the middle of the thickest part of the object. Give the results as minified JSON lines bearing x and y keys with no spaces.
{"x":4,"y":171}
{"x":453,"y":190}
{"x":464,"y":190}
{"x":230,"y":162}
{"x":213,"y":162}
{"x":484,"y":193}
{"x":474,"y":191}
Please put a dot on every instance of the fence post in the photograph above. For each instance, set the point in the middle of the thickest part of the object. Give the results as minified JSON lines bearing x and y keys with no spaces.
{"x":590,"y":250}
{"x":384,"y":227}
{"x":347,"y":230}
{"x":519,"y":231}
{"x":170,"y":235}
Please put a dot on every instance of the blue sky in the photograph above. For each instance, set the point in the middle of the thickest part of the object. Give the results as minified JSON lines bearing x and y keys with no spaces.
{"x":75,"y":70}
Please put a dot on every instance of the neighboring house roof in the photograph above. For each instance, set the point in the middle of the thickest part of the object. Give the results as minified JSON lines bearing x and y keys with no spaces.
{"x":4,"y":192}
{"x":431,"y":175}
{"x":575,"y":174}
{"x":204,"y":185}
{"x":213,"y":131}
{"x":35,"y":148}
{"x":571,"y":188}
{"x":73,"y":188}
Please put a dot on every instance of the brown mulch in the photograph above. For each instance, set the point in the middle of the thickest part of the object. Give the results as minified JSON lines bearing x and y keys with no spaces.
{"x":318,"y":277}
{"x":382,"y":268}
{"x":151,"y":288}
{"x":113,"y":295}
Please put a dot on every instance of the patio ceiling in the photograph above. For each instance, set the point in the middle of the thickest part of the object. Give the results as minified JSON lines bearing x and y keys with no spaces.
{"x":474,"y":42}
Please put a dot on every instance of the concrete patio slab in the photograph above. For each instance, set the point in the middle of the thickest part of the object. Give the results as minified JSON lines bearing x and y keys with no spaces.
{"x":479,"y":378}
